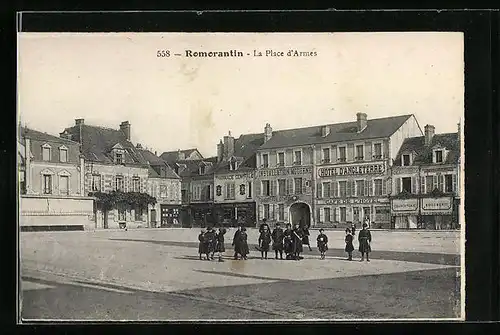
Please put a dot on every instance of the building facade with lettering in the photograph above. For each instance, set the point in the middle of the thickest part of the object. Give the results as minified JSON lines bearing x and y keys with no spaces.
{"x":334,"y":174}
{"x":112,"y":163}
{"x":51,"y":181}
{"x":234,"y":199}
{"x":426,"y":188}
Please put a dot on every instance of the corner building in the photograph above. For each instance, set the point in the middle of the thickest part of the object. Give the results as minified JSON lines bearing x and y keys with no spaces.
{"x":331,"y":175}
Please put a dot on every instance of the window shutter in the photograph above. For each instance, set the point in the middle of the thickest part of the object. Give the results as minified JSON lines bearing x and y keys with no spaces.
{"x":441,"y":183}
{"x":321,"y":215}
{"x":261,"y":212}
{"x":422,"y":184}
{"x":285,"y":212}
{"x":336,"y":212}
{"x":233,"y":186}
{"x":319,"y":190}
{"x":348,"y":188}
{"x":398,"y":186}
{"x":334,"y":189}
{"x":274,"y":187}
{"x":370,"y":189}
{"x":258,"y":187}
{"x":414,"y":185}
{"x":353,"y":188}
{"x":384,"y":186}
{"x":304,"y":188}
{"x":434,"y":182}
{"x":367,"y":187}
{"x":333,"y":154}
{"x":350,"y":152}
{"x":454,"y":181}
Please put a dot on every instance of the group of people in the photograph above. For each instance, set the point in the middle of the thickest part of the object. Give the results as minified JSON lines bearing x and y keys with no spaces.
{"x":288,"y":241}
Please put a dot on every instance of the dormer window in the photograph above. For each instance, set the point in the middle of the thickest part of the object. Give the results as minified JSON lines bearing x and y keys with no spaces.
{"x":202,"y":169}
{"x":438,"y":156}
{"x":233,"y":165}
{"x":63,"y":154}
{"x":405,"y":160}
{"x":46,"y":152}
{"x":118,"y":157}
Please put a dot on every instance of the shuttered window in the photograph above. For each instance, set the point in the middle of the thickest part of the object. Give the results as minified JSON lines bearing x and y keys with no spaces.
{"x":327,"y":214}
{"x":335,"y":189}
{"x":319,"y":190}
{"x":342,"y":189}
{"x":360,"y":188}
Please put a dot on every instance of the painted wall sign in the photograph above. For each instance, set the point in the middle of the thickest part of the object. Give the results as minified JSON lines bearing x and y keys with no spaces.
{"x":353,"y":201}
{"x":437,"y":204}
{"x":234,"y":176}
{"x":404,"y":205}
{"x":352,"y":169}
{"x":284,"y":171}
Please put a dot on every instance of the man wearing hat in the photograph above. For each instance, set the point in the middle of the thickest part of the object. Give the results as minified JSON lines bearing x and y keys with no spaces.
{"x":277,"y":237}
{"x":365,"y":238}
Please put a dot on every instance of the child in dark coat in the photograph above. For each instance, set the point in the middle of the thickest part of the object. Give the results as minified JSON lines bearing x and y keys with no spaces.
{"x":349,"y":247}
{"x":201,"y":245}
{"x":264,"y":241}
{"x":322,"y":240}
{"x":365,"y":238}
{"x":219,"y":247}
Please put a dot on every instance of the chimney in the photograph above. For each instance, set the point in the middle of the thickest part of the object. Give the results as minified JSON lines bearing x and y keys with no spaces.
{"x":268,"y":132}
{"x":429,"y":133}
{"x":156,"y":153}
{"x":65,"y":135}
{"x":138,"y":146}
{"x":180,"y":155}
{"x":325,"y":131}
{"x":125,"y":128}
{"x":79,"y":122}
{"x":228,"y":150}
{"x":220,"y":151}
{"x":361,"y":121}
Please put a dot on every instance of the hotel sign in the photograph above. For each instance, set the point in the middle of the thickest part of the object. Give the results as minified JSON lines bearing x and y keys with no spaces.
{"x":354,"y":201}
{"x":437,"y":205}
{"x":285,"y":171}
{"x":404,"y":205}
{"x":235,"y":176}
{"x":352,"y":170}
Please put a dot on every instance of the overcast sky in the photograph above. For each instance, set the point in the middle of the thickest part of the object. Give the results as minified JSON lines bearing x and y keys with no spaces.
{"x":179,"y":103}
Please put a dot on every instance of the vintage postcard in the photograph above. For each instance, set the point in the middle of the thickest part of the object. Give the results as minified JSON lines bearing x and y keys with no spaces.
{"x":241,"y":176}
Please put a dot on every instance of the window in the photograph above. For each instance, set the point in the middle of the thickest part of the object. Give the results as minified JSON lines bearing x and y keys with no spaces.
{"x":122,"y":215}
{"x":377,"y":151}
{"x":342,"y":154}
{"x":326,"y":155}
{"x":46,"y":152}
{"x":438,"y":154}
{"x":281,"y":159}
{"x":229,"y":194}
{"x":63,"y":155}
{"x":406,"y":184}
{"x":281,"y":186}
{"x":327,"y":214}
{"x":266,"y":188}
{"x":153,"y":190}
{"x":196,"y":192}
{"x":377,"y":185}
{"x":343,"y":214}
{"x":184,"y":196}
{"x":119,"y":158}
{"x":429,"y":184}
{"x":233,"y":165}
{"x":64,"y":185}
{"x":298,"y":158}
{"x":119,"y":183}
{"x":163,"y":191}
{"x":96,"y":183}
{"x":242,"y":189}
{"x":281,"y":212}
{"x":448,"y":183}
{"x":266,"y":211}
{"x":47,"y":184}
{"x":202,"y":169}
{"x":136,"y":184}
{"x":326,"y":190}
{"x":342,"y":189}
{"x":249,"y":194}
{"x":298,"y":185}
{"x":355,"y":214}
{"x":405,"y":160}
{"x":265,"y":160}
{"x":360,"y":188}
{"x":360,"y":152}
{"x":208,"y":188}
{"x":440,"y":180}
{"x":138,"y":213}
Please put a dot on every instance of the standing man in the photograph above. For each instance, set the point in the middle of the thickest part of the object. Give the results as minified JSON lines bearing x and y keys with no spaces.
{"x":365,"y":238}
{"x":237,"y":243}
{"x":220,"y":248}
{"x":297,"y":237}
{"x":277,"y":237}
{"x":288,"y":241}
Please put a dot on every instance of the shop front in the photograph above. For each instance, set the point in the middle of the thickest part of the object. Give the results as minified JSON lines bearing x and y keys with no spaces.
{"x":170,"y":215}
{"x":201,"y":215}
{"x":437,"y":213}
{"x":235,"y":214}
{"x":405,"y":213}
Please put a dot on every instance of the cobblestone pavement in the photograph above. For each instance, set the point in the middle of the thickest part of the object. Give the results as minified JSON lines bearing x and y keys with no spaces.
{"x":137,"y":275}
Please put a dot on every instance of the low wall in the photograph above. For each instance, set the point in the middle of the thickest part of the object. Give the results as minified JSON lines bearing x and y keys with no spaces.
{"x":49,"y":213}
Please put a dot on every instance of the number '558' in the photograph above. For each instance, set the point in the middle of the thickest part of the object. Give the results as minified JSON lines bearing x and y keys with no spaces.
{"x":163,"y":53}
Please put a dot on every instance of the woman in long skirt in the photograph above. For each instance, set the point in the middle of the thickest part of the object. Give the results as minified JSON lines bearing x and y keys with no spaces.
{"x":365,"y":238}
{"x":349,"y":247}
{"x":244,"y":244}
{"x":219,"y":237}
{"x":322,"y":241}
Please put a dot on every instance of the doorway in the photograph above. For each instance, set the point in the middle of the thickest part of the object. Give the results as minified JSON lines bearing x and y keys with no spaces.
{"x":300,"y":214}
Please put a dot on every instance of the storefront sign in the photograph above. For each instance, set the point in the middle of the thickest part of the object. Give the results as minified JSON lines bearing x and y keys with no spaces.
{"x":437,"y":204}
{"x":235,"y":176}
{"x":351,"y":170}
{"x":354,"y":201}
{"x":284,"y":198}
{"x":285,"y":171}
{"x":404,"y":205}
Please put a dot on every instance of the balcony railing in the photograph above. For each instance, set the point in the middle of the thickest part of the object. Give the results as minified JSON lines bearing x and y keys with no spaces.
{"x":341,"y":159}
{"x":297,"y":163}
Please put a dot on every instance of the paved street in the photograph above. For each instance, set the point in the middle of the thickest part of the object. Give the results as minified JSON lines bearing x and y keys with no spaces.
{"x":156,"y":275}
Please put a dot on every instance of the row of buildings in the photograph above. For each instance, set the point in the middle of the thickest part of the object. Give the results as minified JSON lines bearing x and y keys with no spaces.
{"x":388,"y":170}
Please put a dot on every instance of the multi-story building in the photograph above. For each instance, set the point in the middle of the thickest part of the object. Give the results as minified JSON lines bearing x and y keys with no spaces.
{"x":234,"y":199}
{"x":426,"y":188}
{"x":334,"y":174}
{"x":164,"y":185}
{"x":51,"y":183}
{"x":112,"y":163}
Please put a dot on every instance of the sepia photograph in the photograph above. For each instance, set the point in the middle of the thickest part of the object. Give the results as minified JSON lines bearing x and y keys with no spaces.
{"x":240,"y":176}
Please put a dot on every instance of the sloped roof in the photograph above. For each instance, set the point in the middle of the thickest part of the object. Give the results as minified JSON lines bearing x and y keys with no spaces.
{"x":97,"y":143}
{"x":154,"y":162}
{"x":172,"y":156}
{"x":193,"y":166}
{"x":339,"y":132}
{"x":245,"y":149}
{"x":423,"y":153}
{"x":38,"y":135}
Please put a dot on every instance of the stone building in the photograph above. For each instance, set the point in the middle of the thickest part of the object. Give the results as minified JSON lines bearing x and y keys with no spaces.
{"x":165,"y":185}
{"x":51,"y":183}
{"x":234,"y":199}
{"x":426,"y":188}
{"x":112,"y":163}
{"x":333,"y":174}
